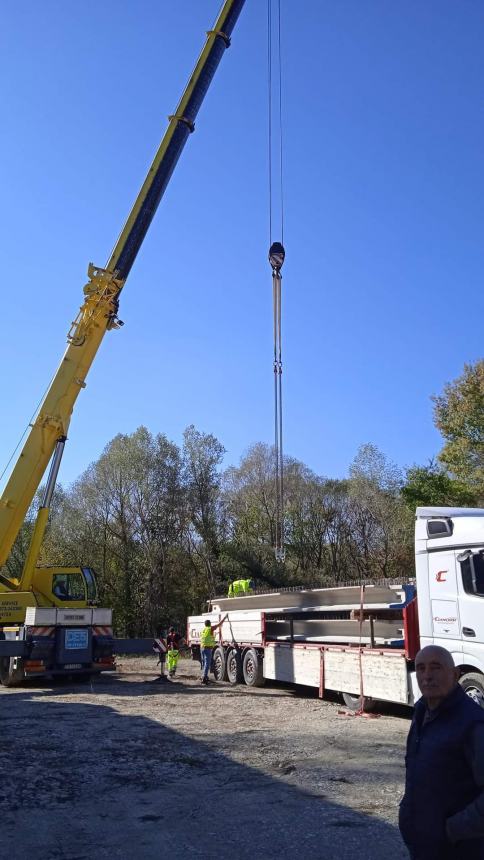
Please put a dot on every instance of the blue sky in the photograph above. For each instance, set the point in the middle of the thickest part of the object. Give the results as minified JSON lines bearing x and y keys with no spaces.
{"x":384,"y":221}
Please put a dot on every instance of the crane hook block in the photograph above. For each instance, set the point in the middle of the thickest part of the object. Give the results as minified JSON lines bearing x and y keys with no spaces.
{"x":276,"y":255}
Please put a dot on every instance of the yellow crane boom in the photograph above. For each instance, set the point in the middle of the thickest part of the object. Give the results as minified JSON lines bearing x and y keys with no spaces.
{"x":99,"y":310}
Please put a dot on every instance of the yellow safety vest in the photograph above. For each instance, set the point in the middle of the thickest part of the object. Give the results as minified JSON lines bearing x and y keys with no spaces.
{"x":240,"y":586}
{"x":207,"y":639}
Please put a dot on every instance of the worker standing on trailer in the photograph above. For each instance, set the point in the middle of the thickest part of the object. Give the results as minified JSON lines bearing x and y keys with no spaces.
{"x":174,"y":642}
{"x":241,"y":586}
{"x":207,"y":644}
{"x":159,"y":647}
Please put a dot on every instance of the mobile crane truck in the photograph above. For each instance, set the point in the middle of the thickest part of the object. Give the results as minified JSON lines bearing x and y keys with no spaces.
{"x":49,"y":621}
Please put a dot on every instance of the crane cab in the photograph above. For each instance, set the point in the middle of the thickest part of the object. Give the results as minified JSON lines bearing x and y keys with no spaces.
{"x":60,"y":587}
{"x":68,"y":587}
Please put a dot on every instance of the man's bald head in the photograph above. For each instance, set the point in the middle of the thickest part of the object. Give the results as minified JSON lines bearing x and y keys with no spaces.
{"x":438,"y":653}
{"x":436,"y":674}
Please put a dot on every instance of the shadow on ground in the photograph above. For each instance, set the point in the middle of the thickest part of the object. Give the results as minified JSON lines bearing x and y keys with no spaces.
{"x":95,"y":781}
{"x":121,"y":684}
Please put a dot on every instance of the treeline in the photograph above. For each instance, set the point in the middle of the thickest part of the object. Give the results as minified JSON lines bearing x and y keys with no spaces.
{"x":166,"y":527}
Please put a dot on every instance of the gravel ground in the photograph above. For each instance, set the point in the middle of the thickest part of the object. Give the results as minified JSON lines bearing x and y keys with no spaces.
{"x":127,"y":767}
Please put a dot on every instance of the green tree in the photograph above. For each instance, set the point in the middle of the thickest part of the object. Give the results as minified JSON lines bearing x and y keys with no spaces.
{"x":250,"y":509}
{"x":380,"y":525}
{"x":124,"y":516}
{"x":432,"y":486}
{"x":459,"y":415}
{"x":316,"y":527}
{"x":370,"y":465}
{"x":314,"y":519}
{"x":202,"y":456}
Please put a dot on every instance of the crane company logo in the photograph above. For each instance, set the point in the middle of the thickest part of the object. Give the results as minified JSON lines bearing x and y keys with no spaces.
{"x":439,"y":576}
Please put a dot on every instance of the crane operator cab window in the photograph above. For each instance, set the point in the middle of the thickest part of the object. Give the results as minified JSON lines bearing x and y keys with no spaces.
{"x":91,"y":584}
{"x":68,"y":586}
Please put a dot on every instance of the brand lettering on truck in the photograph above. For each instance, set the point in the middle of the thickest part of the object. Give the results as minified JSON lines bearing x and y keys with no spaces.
{"x":439,"y":576}
{"x":445,"y":620}
{"x":74,"y":617}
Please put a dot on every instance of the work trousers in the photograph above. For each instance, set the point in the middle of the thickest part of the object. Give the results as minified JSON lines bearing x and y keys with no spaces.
{"x":206,"y":661}
{"x":172,"y":660}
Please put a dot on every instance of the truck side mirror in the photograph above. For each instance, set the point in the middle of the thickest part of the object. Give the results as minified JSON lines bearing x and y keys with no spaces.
{"x":440,"y":528}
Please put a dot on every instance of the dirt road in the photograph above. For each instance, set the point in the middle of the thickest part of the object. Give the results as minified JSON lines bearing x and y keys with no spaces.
{"x":130,"y":768}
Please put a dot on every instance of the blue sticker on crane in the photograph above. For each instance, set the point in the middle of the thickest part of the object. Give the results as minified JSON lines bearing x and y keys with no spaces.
{"x":76,"y":639}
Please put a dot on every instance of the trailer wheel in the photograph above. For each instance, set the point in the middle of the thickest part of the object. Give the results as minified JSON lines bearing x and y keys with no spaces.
{"x":473,"y":685}
{"x":234,"y":667}
{"x":219,"y":665}
{"x":9,"y":676}
{"x":354,"y":703}
{"x":252,"y":669}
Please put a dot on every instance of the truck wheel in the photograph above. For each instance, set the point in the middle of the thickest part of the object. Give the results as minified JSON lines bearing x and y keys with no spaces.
{"x":353,"y":703}
{"x":234,"y":667}
{"x":9,"y":676}
{"x":252,"y":669}
{"x":219,"y":666}
{"x":473,"y":684}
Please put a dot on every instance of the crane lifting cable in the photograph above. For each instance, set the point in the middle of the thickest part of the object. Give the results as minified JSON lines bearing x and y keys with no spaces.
{"x":276,"y":259}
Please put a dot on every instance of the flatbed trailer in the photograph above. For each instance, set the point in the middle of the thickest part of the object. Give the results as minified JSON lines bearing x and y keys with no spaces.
{"x":256,"y":645}
{"x":361,"y":641}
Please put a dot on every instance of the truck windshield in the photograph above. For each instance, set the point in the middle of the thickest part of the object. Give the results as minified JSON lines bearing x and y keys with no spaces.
{"x":68,"y":586}
{"x":91,"y":585}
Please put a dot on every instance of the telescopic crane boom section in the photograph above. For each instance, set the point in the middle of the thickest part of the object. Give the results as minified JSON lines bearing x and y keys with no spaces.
{"x":98,"y":313}
{"x":276,"y":259}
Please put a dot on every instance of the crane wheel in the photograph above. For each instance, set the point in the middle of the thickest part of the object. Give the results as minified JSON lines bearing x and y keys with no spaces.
{"x":9,"y":675}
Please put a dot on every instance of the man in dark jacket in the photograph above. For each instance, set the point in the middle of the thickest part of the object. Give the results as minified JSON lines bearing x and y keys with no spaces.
{"x":442,"y":810}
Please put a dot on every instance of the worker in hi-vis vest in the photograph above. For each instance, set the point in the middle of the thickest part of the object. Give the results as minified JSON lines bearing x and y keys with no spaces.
{"x":174,"y":641}
{"x":207,"y":644}
{"x":240,"y":586}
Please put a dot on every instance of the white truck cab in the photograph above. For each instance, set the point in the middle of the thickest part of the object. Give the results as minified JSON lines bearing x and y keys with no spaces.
{"x":449,"y":559}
